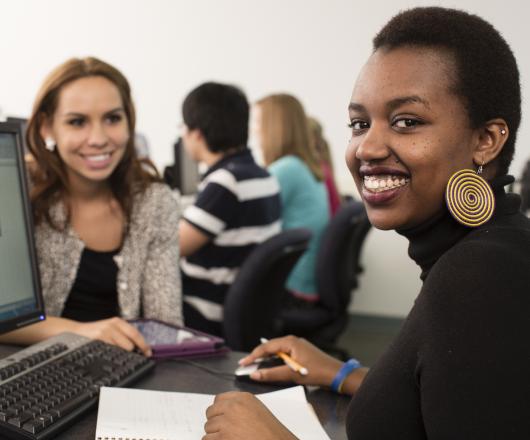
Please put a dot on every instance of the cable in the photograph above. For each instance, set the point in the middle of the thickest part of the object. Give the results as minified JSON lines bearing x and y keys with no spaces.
{"x":218,"y":373}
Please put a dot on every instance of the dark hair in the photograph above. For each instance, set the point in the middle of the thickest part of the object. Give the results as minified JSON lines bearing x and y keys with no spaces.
{"x":48,"y":175}
{"x":487,"y":78}
{"x":220,"y":112}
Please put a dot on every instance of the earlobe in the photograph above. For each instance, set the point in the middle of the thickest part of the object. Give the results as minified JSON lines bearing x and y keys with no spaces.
{"x":491,"y":141}
{"x":193,"y":142}
{"x":199,"y":136}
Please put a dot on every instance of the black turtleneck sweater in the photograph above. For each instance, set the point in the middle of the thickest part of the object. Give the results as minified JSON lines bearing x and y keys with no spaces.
{"x":460,"y":367}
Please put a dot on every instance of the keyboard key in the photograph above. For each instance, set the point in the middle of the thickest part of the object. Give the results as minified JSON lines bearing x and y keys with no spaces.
{"x":35,"y":411}
{"x":12,"y":411}
{"x":46,"y":418}
{"x":33,"y":426}
{"x":20,"y":420}
{"x":69,"y":405}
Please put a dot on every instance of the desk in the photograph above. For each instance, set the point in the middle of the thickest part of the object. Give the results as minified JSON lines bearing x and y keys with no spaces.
{"x":177,"y":375}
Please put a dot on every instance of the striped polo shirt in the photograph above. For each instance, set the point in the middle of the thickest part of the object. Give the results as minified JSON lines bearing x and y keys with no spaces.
{"x":238,"y":206}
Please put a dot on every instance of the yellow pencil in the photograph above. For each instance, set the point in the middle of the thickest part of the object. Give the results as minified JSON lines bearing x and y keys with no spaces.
{"x":289,"y":361}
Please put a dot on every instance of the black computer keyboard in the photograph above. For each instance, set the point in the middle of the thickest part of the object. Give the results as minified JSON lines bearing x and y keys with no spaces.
{"x":46,"y":387}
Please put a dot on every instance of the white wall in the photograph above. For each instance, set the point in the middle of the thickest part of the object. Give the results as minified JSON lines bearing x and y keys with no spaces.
{"x":311,"y":48}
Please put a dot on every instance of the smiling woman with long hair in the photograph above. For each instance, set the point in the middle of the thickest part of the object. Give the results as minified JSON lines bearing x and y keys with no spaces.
{"x":106,"y":229}
{"x":433,"y":115}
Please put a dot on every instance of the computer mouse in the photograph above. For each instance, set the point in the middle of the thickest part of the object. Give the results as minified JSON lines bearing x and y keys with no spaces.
{"x":244,"y":372}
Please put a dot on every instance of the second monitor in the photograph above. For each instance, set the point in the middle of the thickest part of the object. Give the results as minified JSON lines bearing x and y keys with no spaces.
{"x":184,"y":173}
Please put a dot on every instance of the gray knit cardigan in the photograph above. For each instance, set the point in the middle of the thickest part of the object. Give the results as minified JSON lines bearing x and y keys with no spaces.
{"x":148,"y":281}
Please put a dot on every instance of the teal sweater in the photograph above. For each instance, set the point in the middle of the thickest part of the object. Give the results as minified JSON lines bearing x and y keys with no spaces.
{"x":304,"y":205}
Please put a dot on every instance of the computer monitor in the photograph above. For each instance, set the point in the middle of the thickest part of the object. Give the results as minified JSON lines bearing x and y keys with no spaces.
{"x":21,"y":301}
{"x":185,"y":171}
{"x":23,"y":123}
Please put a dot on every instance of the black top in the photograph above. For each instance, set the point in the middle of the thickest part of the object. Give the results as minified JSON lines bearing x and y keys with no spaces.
{"x":94,"y":295}
{"x":460,"y":367}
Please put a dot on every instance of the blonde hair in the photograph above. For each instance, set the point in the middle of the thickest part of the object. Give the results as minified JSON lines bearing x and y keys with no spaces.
{"x":320,"y":142}
{"x":284,"y":131}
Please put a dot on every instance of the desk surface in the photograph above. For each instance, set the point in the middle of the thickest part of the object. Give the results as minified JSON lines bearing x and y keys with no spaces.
{"x":179,"y":375}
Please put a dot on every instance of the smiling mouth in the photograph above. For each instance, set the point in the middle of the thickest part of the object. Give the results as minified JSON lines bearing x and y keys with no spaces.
{"x":97,"y":158}
{"x":377,"y":183}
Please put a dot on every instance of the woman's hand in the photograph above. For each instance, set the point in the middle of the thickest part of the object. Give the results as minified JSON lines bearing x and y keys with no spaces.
{"x":241,"y":416}
{"x":114,"y":331}
{"x":321,"y":367}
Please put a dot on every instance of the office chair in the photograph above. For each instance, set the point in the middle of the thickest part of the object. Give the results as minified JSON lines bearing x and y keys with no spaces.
{"x":337,"y":271}
{"x":254,"y":300}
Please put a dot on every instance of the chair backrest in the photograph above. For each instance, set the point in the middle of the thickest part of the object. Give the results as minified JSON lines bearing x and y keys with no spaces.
{"x":338,"y":266}
{"x":253,"y":302}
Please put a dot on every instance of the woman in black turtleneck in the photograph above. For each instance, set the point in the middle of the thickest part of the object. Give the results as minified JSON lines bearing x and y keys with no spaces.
{"x":440,"y":93}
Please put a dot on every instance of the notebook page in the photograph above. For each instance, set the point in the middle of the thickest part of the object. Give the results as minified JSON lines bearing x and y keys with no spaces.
{"x":160,"y":415}
{"x":292,"y":409}
{"x":150,"y":415}
{"x":295,"y":393}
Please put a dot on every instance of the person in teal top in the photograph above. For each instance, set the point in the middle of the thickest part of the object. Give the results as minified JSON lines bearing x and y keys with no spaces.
{"x":304,"y":204}
{"x":282,"y":129}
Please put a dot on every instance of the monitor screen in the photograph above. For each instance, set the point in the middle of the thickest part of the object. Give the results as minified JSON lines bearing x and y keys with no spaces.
{"x":20,"y":294}
{"x":187,"y":175}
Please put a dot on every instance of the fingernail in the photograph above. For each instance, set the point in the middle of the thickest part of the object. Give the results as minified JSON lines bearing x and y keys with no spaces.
{"x":240,"y":361}
{"x":256,"y":375}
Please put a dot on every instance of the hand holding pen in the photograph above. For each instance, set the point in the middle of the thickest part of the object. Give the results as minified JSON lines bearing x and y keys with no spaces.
{"x":300,"y":357}
{"x":289,"y":361}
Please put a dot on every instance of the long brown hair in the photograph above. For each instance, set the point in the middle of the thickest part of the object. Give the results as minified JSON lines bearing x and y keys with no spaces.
{"x":320,"y":142}
{"x":49,"y":179}
{"x":284,"y":131}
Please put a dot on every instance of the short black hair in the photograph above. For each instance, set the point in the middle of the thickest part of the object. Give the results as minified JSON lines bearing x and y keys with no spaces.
{"x":220,"y":112}
{"x":487,"y":77}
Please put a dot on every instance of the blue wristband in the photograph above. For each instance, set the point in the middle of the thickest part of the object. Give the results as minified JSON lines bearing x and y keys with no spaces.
{"x":345,"y":370}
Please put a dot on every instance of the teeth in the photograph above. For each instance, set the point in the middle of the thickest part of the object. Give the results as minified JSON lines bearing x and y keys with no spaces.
{"x":98,"y":158}
{"x":384,"y":183}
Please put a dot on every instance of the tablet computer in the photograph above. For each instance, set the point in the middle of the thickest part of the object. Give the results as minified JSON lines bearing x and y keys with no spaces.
{"x":167,"y":340}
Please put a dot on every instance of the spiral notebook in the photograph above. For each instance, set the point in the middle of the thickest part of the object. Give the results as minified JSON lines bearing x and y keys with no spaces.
{"x":131,"y":414}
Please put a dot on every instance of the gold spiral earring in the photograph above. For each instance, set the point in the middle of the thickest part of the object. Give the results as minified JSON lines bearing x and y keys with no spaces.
{"x":469,"y":198}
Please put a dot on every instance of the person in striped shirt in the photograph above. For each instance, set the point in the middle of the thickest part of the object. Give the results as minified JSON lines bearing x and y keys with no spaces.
{"x":237,"y":207}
